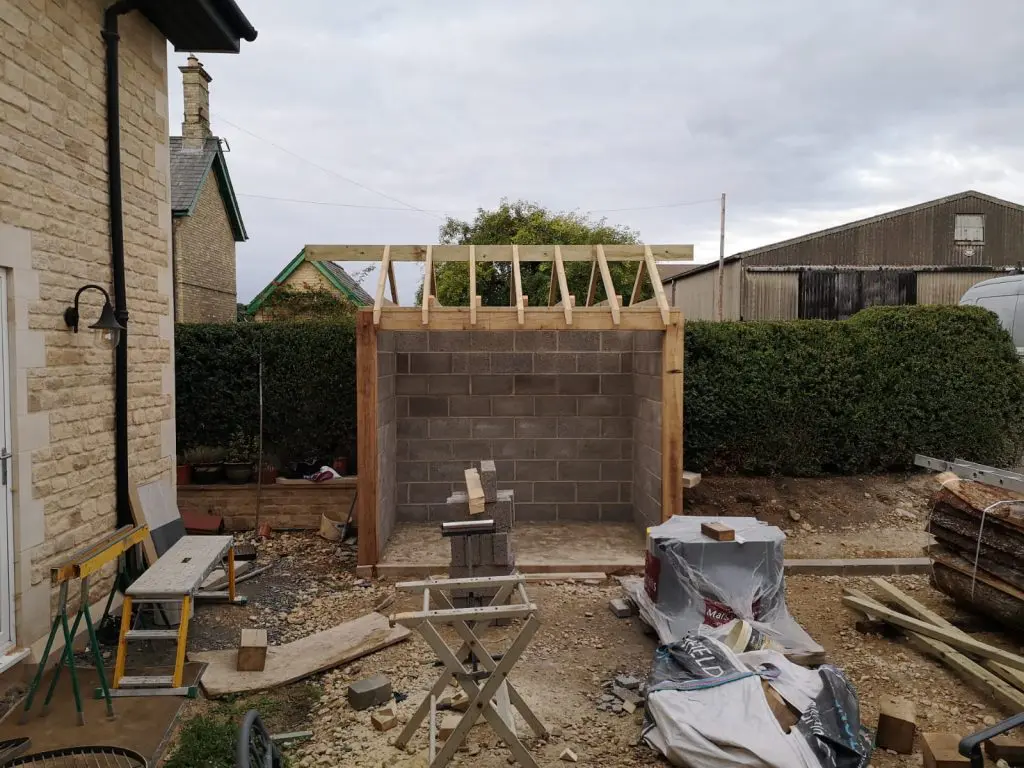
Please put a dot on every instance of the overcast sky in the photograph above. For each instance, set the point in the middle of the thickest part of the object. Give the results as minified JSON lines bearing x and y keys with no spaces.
{"x":807,"y":114}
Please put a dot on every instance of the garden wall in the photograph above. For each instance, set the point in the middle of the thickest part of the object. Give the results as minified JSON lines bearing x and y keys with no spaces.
{"x":284,"y":506}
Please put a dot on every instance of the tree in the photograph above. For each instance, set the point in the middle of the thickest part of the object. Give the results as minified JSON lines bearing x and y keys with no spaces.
{"x":525,"y":223}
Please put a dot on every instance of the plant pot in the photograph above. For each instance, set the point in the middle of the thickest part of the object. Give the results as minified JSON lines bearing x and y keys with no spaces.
{"x":184,"y":474}
{"x":207,"y":474}
{"x":340,"y":466}
{"x":268,"y":476}
{"x":237,"y":473}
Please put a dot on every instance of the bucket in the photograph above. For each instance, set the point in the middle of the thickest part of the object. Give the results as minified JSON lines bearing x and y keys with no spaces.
{"x":330,"y":526}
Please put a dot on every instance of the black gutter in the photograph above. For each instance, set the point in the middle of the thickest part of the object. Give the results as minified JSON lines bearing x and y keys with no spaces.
{"x":240,"y":25}
{"x":114,"y":191}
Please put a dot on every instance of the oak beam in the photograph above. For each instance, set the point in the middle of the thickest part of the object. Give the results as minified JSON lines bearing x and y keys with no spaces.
{"x":366,"y":437}
{"x":672,"y":420}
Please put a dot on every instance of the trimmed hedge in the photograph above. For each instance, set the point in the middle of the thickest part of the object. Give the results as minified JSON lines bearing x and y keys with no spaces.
{"x":802,"y":397}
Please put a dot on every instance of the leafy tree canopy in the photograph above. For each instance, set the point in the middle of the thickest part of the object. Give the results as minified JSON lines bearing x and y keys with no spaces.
{"x":526,"y":223}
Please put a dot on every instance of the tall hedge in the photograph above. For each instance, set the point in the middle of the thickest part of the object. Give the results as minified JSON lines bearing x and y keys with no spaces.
{"x":816,"y":396}
{"x":804,"y":397}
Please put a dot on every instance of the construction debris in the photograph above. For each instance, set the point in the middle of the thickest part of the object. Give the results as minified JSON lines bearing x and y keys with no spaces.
{"x":979,"y":560}
{"x":897,"y":725}
{"x":940,"y":750}
{"x":384,"y":719}
{"x":370,"y":692}
{"x":718,"y":531}
{"x":1006,"y":748}
{"x":252,"y":651}
{"x":622,"y":608}
{"x":568,"y":756}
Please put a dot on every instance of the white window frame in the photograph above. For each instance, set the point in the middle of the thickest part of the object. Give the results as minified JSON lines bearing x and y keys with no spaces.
{"x":969,"y":228}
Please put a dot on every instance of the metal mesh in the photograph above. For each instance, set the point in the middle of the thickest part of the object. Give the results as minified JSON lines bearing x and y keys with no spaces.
{"x":83,"y":757}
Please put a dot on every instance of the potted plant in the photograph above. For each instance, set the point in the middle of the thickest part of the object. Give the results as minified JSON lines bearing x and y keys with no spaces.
{"x":241,"y":453}
{"x":184,"y":471}
{"x":207,"y":464}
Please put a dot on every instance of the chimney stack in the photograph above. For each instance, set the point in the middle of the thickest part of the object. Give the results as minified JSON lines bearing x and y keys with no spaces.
{"x":196,"y":81}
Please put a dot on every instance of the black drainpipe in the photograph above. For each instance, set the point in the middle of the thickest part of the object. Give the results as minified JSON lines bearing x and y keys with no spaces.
{"x":111,"y":37}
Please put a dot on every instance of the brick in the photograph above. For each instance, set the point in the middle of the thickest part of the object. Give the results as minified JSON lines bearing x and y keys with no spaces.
{"x":616,"y":341}
{"x":580,"y":384}
{"x":554,"y":491}
{"x":489,"y":480}
{"x":579,"y":341}
{"x":536,"y":384}
{"x":536,"y":470}
{"x":370,"y":692}
{"x":588,"y":470}
{"x":600,"y":405}
{"x":617,"y":426}
{"x":493,"y":427}
{"x":536,"y":341}
{"x":451,"y":384}
{"x":555,"y":405}
{"x":490,"y":384}
{"x":536,"y":427}
{"x":589,"y":512}
{"x":430,"y":363}
{"x":449,"y":341}
{"x":617,"y":384}
{"x":428,"y":450}
{"x":420,"y":407}
{"x":579,"y":426}
{"x":411,"y":341}
{"x":566,"y":448}
{"x":470,"y":405}
{"x":554,"y":362}
{"x":516,"y":405}
{"x":452,"y":427}
{"x":471,"y":362}
{"x":411,"y":385}
{"x":491,"y":341}
{"x":597,"y":491}
{"x":511,"y":449}
{"x":511,"y":362}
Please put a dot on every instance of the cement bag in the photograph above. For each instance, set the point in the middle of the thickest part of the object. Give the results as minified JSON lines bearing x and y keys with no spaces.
{"x":692,"y":583}
{"x":707,"y":708}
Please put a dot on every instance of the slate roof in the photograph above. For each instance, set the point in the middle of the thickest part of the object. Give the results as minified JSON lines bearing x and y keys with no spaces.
{"x":358,"y":295}
{"x":336,"y":275}
{"x":190,"y":168}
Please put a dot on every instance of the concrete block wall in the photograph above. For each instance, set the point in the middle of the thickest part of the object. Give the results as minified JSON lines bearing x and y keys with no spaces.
{"x":553,"y":409}
{"x":387,"y":438}
{"x":646,"y":402}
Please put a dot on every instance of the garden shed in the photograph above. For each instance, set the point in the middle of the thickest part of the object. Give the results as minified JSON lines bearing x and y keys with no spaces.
{"x":580,"y":407}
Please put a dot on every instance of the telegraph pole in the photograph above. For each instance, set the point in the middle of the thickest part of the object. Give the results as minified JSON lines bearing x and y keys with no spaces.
{"x":721,"y":262}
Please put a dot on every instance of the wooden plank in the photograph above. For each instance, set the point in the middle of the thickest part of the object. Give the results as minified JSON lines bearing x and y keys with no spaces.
{"x":485,"y":613}
{"x":659,"y":289}
{"x":718,"y":531}
{"x":392,"y":281}
{"x":472,"y":285}
{"x":252,"y":651}
{"x":672,"y":421}
{"x":474,"y":491}
{"x":609,"y":286}
{"x":419,"y":587}
{"x":563,"y":286}
{"x":592,"y":285}
{"x":919,"y":611}
{"x":527,"y":253}
{"x":966,"y":644}
{"x":1008,"y":696}
{"x":366,"y":437}
{"x":505,"y":319}
{"x":517,"y":282}
{"x":428,"y":276}
{"x":634,"y":296}
{"x":301,"y":658}
{"x":385,"y":270}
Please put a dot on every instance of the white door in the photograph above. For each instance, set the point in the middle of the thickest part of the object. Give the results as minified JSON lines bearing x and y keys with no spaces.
{"x":6,"y":475}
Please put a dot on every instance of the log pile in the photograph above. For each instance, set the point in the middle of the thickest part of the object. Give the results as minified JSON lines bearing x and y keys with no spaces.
{"x":996,"y":586}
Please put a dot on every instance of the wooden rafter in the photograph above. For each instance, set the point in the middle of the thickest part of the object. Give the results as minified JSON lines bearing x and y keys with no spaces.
{"x":659,"y":289}
{"x":517,"y":280}
{"x":563,"y":285}
{"x":527,"y":253}
{"x":592,"y":285}
{"x":428,"y":273}
{"x":552,"y":284}
{"x":391,"y":279}
{"x":609,"y":286}
{"x":472,"y":285}
{"x":378,"y":299}
{"x":635,"y":295}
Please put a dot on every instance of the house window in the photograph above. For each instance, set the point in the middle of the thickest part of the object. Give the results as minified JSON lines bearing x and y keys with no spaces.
{"x":969,"y":228}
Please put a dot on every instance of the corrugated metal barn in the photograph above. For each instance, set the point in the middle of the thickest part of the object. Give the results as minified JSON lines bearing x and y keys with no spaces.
{"x":925,"y":254}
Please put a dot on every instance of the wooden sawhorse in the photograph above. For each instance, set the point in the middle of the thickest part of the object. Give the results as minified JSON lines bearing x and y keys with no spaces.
{"x":174,"y":578}
{"x":465,"y":622}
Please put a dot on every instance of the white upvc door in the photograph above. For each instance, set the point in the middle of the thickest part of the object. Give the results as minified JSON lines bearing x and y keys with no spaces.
{"x":6,"y":476}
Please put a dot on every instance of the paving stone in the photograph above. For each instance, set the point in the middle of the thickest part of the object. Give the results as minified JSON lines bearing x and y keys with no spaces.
{"x":369,"y":692}
{"x":628,"y":682}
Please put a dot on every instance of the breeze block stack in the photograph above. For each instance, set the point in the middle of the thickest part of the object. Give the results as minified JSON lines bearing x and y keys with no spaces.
{"x":482,"y":554}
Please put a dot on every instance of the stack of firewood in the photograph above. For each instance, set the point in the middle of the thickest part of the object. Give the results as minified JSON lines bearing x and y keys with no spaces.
{"x":979,"y":558}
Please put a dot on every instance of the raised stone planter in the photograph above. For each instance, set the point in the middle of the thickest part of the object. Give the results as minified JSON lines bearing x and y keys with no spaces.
{"x":282,"y":505}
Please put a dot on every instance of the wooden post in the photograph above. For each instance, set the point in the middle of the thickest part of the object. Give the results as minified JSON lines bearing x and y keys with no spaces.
{"x":472,"y":285}
{"x":385,"y":271}
{"x":428,"y":282}
{"x":672,"y":419}
{"x":517,"y":283}
{"x":366,"y":435}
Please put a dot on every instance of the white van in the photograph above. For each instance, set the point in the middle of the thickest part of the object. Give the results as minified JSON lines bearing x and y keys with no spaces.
{"x":1002,"y":295}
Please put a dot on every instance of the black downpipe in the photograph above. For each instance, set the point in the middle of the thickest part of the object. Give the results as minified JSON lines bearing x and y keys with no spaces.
{"x":111,"y":37}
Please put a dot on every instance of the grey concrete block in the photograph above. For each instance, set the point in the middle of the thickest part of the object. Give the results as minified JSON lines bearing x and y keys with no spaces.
{"x":537,"y":426}
{"x":536,"y":470}
{"x":422,"y":407}
{"x":617,"y":384}
{"x":491,"y":384}
{"x":458,"y":550}
{"x":616,"y":513}
{"x":621,"y":608}
{"x":449,"y":384}
{"x":554,"y":491}
{"x":516,"y":405}
{"x":410,"y":385}
{"x":428,"y":493}
{"x":580,"y":384}
{"x":536,"y":384}
{"x":489,"y":480}
{"x":578,"y":341}
{"x":617,"y":341}
{"x":556,"y":405}
{"x":370,"y":692}
{"x":471,"y":362}
{"x":501,"y":549}
{"x":401,"y":407}
{"x":471,"y":450}
{"x":535,"y":513}
{"x":474,"y":554}
{"x":599,"y":362}
{"x":511,"y":362}
{"x":536,"y":341}
{"x":449,"y":341}
{"x":523,"y":490}
{"x":583,"y":469}
{"x":579,"y":426}
{"x":617,"y":426}
{"x":501,"y":511}
{"x":448,"y":471}
{"x":511,"y":449}
{"x":449,"y":428}
{"x":648,"y":340}
{"x":430,"y":363}
{"x":598,"y":448}
{"x":492,"y":427}
{"x":411,"y":341}
{"x":587,"y":513}
{"x":616,"y":470}
{"x":603,"y":491}
{"x":626,"y":491}
{"x":492,"y":341}
{"x":601,"y":405}
{"x":412,"y":471}
{"x":427,"y":450}
{"x":554,"y":362}
{"x":412,"y":429}
{"x":412,"y":513}
{"x":470,"y":405}
{"x":560,"y":448}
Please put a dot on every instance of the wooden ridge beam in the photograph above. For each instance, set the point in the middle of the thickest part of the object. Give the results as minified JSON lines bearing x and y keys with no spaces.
{"x":527,"y":253}
{"x":609,"y":286}
{"x":385,"y":270}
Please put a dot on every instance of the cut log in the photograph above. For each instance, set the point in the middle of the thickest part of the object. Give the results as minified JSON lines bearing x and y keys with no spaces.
{"x":979,"y":591}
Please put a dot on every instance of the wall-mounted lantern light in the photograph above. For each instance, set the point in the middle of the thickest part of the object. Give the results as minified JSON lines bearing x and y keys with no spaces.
{"x":107,"y":322}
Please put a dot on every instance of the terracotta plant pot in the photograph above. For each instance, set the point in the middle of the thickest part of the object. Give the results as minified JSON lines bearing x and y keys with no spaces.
{"x":340,"y":466}
{"x":264,"y":530}
{"x":184,"y":474}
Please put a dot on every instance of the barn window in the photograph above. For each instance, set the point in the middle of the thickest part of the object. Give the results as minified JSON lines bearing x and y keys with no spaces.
{"x":969,"y":228}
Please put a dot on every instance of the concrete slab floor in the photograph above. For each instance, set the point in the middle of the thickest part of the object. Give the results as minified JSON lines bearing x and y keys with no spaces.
{"x":538,"y":546}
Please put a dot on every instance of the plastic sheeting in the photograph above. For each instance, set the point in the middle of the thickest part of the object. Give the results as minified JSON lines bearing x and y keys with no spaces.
{"x":695,"y":584}
{"x":706,"y":707}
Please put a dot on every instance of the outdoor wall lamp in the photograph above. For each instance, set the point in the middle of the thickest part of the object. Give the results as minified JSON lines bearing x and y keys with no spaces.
{"x":107,"y":322}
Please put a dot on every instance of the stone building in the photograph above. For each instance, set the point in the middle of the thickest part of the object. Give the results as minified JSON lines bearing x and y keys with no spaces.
{"x":305,"y":276}
{"x":207,"y":222}
{"x":83,"y":82}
